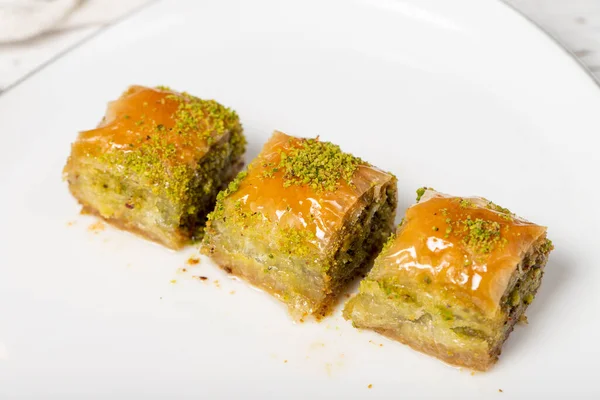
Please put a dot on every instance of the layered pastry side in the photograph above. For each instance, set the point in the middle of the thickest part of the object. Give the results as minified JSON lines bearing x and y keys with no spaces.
{"x":302,"y":221}
{"x":155,"y":163}
{"x":454,"y":279}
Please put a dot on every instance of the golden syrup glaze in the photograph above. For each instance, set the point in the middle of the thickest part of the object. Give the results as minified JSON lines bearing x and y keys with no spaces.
{"x":424,"y":252}
{"x":320,"y":213}
{"x":157,"y":116}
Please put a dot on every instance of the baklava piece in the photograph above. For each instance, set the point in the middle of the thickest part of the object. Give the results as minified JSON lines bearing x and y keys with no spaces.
{"x":302,"y":221}
{"x":155,"y":163}
{"x":454,"y":279}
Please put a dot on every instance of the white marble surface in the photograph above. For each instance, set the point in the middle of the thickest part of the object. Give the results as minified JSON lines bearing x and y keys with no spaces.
{"x":18,"y":60}
{"x":575,"y":23}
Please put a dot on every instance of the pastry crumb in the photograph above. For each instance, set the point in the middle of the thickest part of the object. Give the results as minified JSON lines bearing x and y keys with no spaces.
{"x":96,"y":227}
{"x":285,"y":361}
{"x":370,"y":386}
{"x":501,"y":391}
{"x":71,"y":223}
{"x":173,"y":281}
{"x":193,"y":261}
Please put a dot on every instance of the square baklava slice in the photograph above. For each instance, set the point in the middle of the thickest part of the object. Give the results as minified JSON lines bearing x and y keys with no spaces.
{"x":454,"y":279}
{"x":302,"y":221}
{"x":155,"y":163}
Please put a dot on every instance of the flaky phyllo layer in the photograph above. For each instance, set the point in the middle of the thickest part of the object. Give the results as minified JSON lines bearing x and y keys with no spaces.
{"x":302,"y":221}
{"x":156,"y":162}
{"x":454,"y":279}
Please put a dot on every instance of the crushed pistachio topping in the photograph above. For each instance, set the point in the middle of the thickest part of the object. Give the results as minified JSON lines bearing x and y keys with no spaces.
{"x":155,"y":154}
{"x":506,"y":217}
{"x":320,"y":165}
{"x":493,"y":206}
{"x":233,"y":187}
{"x":205,"y":118}
{"x":465,"y":203}
{"x":505,"y":213}
{"x":481,"y":235}
{"x":296,"y":242}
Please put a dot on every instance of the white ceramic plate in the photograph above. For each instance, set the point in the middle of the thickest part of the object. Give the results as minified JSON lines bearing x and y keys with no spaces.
{"x":464,"y":95}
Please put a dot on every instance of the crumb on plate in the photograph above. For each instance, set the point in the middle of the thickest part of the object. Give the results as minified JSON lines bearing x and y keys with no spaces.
{"x":96,"y":227}
{"x":193,"y":261}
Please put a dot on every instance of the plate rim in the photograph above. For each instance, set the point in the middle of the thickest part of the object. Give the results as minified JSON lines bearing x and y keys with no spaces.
{"x":127,"y":16}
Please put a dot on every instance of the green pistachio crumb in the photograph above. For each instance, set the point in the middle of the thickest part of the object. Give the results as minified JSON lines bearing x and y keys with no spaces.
{"x":547,"y":246}
{"x":296,"y":242}
{"x":387,"y":245}
{"x":515,"y":298}
{"x":233,"y":186}
{"x":528,"y":299}
{"x":421,"y":192}
{"x":445,"y":313}
{"x":435,"y":228}
{"x":492,"y":206}
{"x":464,"y":203}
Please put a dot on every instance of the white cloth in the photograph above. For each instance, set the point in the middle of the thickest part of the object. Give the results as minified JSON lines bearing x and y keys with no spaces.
{"x":24,"y":19}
